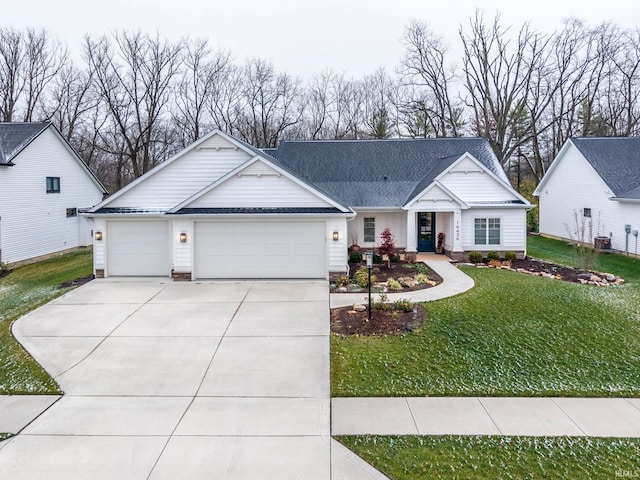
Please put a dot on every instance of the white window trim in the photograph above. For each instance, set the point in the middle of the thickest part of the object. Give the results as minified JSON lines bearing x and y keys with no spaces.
{"x":487,"y":244}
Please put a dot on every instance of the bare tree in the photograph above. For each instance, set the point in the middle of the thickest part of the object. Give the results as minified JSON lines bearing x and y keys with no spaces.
{"x":133,"y":79}
{"x":271,"y":104}
{"x":202,"y":68}
{"x":424,"y":67}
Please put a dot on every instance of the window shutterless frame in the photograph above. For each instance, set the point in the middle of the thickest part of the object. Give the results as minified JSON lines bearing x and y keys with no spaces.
{"x":53,"y":184}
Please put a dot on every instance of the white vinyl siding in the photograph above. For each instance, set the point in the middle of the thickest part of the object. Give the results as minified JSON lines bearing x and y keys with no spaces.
{"x":571,"y":185}
{"x":259,"y":186}
{"x":471,"y":183}
{"x":512,"y":225}
{"x":260,"y":249}
{"x":184,"y":177}
{"x":32,"y":222}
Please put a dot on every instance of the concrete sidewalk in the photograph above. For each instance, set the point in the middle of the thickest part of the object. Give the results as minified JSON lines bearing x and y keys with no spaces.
{"x":454,"y":282}
{"x":591,"y":417}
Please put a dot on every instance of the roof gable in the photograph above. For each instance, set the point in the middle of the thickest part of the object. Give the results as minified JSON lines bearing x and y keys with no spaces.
{"x":258,"y":184}
{"x":183,"y":175}
{"x":15,"y":136}
{"x":616,"y":160}
{"x":435,"y":194}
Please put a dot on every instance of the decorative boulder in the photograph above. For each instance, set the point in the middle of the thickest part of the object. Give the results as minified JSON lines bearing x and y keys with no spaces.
{"x":408,"y":282}
{"x":359,"y":308}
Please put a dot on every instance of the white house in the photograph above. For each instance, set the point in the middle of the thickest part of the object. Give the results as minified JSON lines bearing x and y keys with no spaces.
{"x":224,"y":209}
{"x":597,"y":179}
{"x":43,"y":186}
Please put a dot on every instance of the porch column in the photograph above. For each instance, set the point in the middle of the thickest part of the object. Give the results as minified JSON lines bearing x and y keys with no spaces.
{"x":412,"y":234}
{"x":457,"y":231}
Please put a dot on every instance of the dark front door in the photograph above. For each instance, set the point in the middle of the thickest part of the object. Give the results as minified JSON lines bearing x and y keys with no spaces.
{"x":426,"y":227}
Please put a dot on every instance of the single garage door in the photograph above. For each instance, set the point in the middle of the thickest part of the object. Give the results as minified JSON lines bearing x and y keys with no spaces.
{"x":138,"y":249}
{"x":260,"y":249}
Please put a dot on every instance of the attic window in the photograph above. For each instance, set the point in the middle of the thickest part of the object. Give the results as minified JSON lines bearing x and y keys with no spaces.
{"x":586,"y":212}
{"x":53,"y":184}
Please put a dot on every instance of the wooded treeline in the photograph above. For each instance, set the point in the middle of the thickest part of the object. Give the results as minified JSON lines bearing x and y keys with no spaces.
{"x":136,"y":99}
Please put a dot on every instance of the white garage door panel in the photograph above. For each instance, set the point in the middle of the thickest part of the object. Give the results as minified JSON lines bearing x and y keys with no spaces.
{"x":138,"y":248}
{"x":260,"y":250}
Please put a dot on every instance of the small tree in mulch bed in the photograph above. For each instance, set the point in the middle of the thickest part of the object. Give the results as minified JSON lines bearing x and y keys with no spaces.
{"x":388,"y":246}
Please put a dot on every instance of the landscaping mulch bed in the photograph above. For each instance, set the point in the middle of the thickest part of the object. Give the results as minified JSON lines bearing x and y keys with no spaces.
{"x":560,"y":272}
{"x":395,"y":271}
{"x":345,"y":321}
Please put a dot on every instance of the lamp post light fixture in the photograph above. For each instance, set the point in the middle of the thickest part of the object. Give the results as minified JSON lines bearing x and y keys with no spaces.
{"x":369,"y":257}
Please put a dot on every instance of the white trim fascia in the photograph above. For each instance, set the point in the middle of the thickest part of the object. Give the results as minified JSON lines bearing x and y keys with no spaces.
{"x":509,"y":206}
{"x":625,"y":200}
{"x":436,"y":183}
{"x":244,"y":166}
{"x":253,"y":216}
{"x":377,"y":209}
{"x":169,"y":161}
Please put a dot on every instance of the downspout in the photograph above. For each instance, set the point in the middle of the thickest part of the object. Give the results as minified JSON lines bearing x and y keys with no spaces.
{"x":347,"y":265}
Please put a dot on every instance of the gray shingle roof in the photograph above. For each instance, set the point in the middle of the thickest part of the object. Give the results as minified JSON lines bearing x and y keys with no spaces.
{"x":15,"y":136}
{"x":379,"y":172}
{"x":617,"y":161}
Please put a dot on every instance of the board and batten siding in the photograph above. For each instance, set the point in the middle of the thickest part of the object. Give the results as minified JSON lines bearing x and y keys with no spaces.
{"x":574,"y":185}
{"x":259,"y":185}
{"x":513,"y":229}
{"x":471,"y":183}
{"x":184,"y":177}
{"x":34,"y":222}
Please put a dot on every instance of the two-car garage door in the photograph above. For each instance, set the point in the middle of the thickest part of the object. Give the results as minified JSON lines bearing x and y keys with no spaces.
{"x":247,"y":249}
{"x":260,"y":249}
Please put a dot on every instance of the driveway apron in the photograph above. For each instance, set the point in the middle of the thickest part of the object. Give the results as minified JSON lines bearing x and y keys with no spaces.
{"x":164,"y":380}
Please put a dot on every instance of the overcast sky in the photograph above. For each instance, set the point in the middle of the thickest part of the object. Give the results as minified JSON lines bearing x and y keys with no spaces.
{"x":300,"y":37}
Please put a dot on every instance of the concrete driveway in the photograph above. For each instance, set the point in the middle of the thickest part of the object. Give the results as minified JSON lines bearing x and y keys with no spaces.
{"x":225,"y":380}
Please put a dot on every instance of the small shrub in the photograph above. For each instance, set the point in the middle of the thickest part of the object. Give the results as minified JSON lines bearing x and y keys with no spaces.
{"x":342,"y":281}
{"x":475,"y":257}
{"x":418,"y":267}
{"x":495,"y":263}
{"x":395,"y":258}
{"x":362,"y":278}
{"x":492,"y":255}
{"x":393,"y":284}
{"x":421,"y":278}
{"x":355,"y":257}
{"x":377,"y":258}
{"x":381,"y":303}
{"x":388,"y":246}
{"x":403,"y":304}
{"x":4,"y":267}
{"x":510,"y":256}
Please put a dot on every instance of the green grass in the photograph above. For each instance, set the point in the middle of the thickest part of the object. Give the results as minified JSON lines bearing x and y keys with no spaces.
{"x":512,"y":335}
{"x":455,"y":457}
{"x":4,"y":436}
{"x":25,"y":289}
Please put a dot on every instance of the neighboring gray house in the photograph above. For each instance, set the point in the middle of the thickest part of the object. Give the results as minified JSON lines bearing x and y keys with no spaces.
{"x":597,"y":179}
{"x":43,"y":185}
{"x":224,"y":209}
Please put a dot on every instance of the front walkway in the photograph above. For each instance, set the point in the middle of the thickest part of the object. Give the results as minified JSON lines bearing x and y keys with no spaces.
{"x":454,"y":282}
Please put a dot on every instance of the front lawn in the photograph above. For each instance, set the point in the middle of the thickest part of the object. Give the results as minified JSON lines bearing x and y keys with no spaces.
{"x":476,"y":457}
{"x":512,"y":335}
{"x":25,"y":289}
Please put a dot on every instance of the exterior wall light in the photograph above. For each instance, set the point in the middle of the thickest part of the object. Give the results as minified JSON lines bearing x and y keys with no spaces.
{"x":98,"y":236}
{"x":183,"y":237}
{"x":335,"y":236}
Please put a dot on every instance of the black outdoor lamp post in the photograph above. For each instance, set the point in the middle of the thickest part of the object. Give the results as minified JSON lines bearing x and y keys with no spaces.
{"x":369,"y":257}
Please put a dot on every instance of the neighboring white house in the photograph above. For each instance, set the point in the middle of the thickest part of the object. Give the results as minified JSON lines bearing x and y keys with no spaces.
{"x":597,"y":180}
{"x":224,"y":209}
{"x":43,"y":186}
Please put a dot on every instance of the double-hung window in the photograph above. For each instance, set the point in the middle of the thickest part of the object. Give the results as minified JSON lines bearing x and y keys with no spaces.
{"x":369,"y":229}
{"x":53,"y":184}
{"x":487,"y":231}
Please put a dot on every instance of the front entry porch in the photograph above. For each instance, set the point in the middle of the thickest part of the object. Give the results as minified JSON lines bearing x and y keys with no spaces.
{"x":424,"y":227}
